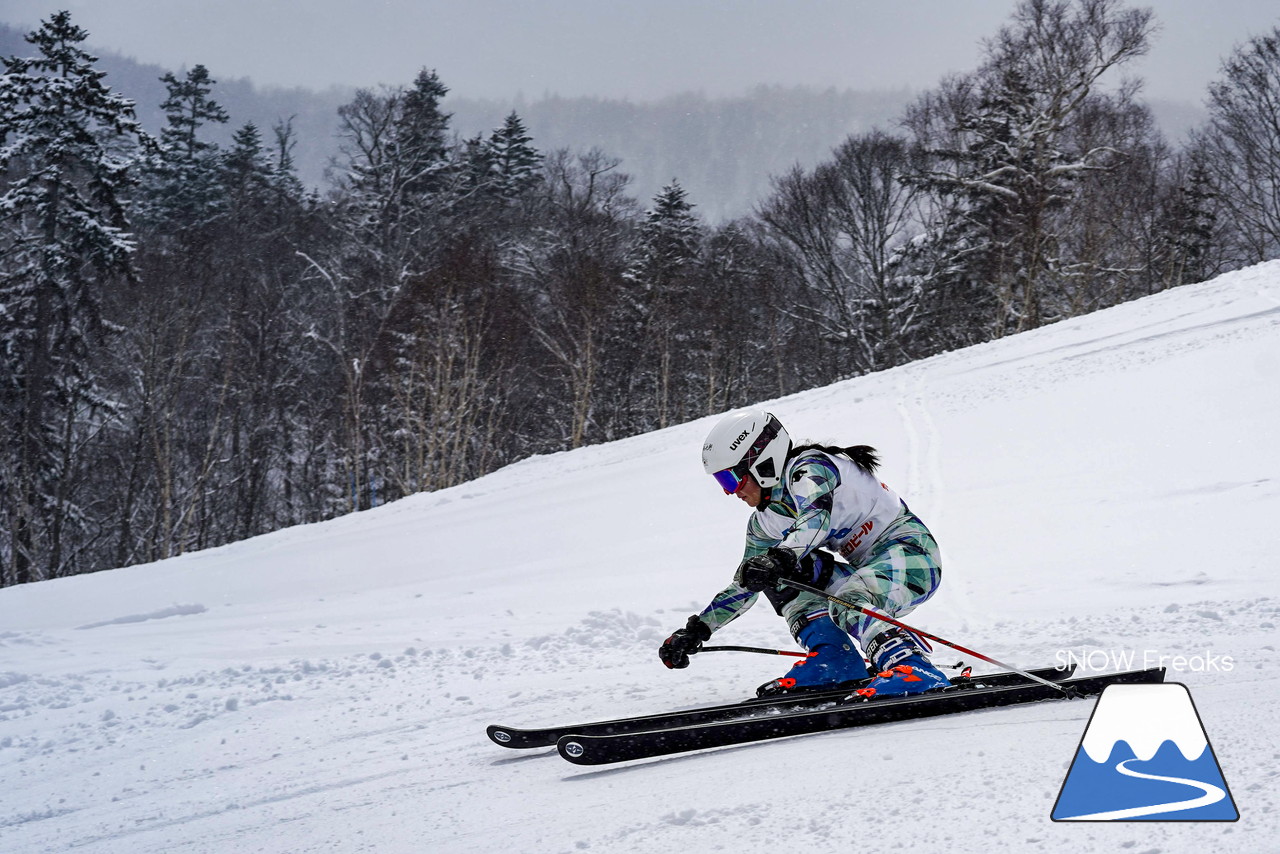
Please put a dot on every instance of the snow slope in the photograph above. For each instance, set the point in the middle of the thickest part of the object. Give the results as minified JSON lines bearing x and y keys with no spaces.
{"x":1108,"y":487}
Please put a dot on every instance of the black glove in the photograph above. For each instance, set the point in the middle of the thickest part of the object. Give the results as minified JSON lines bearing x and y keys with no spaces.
{"x":675,"y":650}
{"x":763,"y":572}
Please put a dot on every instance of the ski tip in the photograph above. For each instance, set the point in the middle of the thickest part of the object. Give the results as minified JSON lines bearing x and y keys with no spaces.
{"x":500,"y":735}
{"x":572,"y":749}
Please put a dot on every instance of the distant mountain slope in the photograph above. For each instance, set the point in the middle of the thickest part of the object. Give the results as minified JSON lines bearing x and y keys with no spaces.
{"x":724,"y":151}
{"x":314,"y":113}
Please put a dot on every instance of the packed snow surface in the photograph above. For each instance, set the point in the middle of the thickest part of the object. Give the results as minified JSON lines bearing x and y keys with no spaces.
{"x":1105,"y":489}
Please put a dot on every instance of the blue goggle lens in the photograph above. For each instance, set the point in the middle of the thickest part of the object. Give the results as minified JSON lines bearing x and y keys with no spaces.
{"x":729,"y":480}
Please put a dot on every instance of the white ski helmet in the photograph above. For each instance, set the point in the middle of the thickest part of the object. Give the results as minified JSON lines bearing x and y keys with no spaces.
{"x":747,"y":441}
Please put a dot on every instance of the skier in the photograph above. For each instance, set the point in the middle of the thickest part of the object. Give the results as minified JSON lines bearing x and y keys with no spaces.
{"x":807,"y":500}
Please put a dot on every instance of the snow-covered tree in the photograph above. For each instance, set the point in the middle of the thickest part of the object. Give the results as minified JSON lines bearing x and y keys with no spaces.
{"x":1188,"y":227}
{"x":668,"y":240}
{"x":514,"y":164}
{"x":396,"y":199}
{"x":1243,"y":141}
{"x":396,"y":161}
{"x":65,"y":146}
{"x":743,"y":351}
{"x":841,"y":225}
{"x":1109,"y":226}
{"x":246,"y":171}
{"x":1010,"y":167}
{"x":662,"y":273}
{"x":570,"y":275}
{"x":180,"y":182}
{"x":422,"y":141}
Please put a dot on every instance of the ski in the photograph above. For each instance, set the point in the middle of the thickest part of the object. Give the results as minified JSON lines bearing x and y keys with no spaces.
{"x":588,"y":749}
{"x":518,"y":738}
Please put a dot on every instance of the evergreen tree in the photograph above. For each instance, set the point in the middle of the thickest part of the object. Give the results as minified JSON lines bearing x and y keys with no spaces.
{"x":246,"y":172}
{"x":187,"y":109}
{"x":397,"y":202}
{"x":181,"y":181}
{"x":177,"y":323}
{"x":1005,"y":170}
{"x":514,"y":164}
{"x":475,"y":173}
{"x":66,"y":141}
{"x":422,"y":144}
{"x":668,"y":240}
{"x":1186,"y":230}
{"x":395,"y":184}
{"x":662,"y":272}
{"x":1012,"y":181}
{"x":257,"y":291}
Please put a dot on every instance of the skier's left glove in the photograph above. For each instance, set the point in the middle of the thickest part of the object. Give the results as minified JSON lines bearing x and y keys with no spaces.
{"x":763,"y":572}
{"x":675,"y":650}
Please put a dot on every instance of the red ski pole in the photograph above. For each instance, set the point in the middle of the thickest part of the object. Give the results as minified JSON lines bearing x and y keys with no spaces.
{"x":891,"y":621}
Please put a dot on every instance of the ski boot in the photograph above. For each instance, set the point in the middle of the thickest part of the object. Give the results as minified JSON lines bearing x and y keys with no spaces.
{"x":833,"y":662}
{"x":902,"y":667}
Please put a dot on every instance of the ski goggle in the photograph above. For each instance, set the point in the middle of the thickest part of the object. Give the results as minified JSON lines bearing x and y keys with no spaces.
{"x":731,"y":479}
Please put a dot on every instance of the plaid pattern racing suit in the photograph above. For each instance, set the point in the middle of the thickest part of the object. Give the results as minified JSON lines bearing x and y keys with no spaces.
{"x":826,"y":503}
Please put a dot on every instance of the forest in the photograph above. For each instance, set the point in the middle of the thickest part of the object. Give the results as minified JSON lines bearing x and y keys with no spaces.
{"x":198,"y":348}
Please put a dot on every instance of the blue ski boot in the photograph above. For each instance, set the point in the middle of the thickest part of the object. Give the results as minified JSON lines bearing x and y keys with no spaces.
{"x":902,"y":667}
{"x":833,"y":662}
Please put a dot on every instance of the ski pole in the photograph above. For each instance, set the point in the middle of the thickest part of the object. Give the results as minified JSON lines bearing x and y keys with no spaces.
{"x":758,"y":649}
{"x":870,"y":613}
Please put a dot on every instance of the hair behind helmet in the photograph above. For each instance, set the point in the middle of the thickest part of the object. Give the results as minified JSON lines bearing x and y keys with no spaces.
{"x":864,"y":457}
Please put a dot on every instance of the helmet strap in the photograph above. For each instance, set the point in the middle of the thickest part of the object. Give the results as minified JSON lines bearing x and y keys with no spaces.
{"x":765,"y":494}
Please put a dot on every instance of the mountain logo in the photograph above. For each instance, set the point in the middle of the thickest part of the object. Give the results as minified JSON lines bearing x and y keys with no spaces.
{"x":1145,"y":756}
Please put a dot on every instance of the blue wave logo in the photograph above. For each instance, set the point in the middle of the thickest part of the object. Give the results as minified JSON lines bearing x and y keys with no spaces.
{"x":1145,"y":756}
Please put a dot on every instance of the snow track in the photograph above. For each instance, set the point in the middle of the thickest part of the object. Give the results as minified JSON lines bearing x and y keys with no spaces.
{"x":1105,"y":488}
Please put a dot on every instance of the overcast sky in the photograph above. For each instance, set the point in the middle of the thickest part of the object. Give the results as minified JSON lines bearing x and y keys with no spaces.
{"x":641,"y":49}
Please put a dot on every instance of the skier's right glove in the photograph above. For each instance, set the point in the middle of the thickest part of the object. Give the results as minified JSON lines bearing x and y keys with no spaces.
{"x":763,"y":572}
{"x":675,"y":650}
